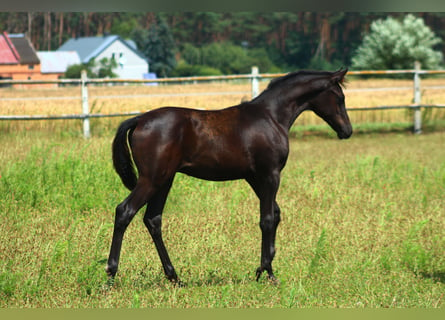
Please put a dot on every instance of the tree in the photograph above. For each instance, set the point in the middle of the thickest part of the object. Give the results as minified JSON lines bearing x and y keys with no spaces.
{"x":123,"y":26}
{"x":291,"y":40}
{"x":226,"y":57}
{"x":158,"y":45}
{"x":105,"y":68}
{"x":191,"y":54}
{"x":392,"y":44}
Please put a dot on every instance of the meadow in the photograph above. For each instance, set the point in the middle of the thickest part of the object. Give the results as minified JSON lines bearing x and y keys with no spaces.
{"x":362,"y":224}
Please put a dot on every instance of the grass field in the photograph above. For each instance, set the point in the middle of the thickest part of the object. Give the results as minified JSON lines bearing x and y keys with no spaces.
{"x":362,"y":226}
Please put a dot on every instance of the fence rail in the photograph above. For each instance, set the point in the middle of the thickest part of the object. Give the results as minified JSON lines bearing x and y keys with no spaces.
{"x":254,"y":78}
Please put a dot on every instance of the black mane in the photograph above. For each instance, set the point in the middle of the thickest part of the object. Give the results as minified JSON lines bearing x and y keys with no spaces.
{"x":296,"y":74}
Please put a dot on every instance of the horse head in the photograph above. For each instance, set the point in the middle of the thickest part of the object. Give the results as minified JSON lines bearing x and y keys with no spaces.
{"x":329,"y":105}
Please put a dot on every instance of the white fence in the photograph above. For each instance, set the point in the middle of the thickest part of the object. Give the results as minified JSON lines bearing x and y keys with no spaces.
{"x":254,"y":78}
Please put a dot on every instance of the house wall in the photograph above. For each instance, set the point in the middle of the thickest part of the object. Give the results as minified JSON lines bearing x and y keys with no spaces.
{"x":19,"y":71}
{"x":134,"y":66}
{"x":24,"y":72}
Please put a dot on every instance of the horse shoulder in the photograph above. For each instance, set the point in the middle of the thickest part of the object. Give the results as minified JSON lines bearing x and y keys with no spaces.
{"x":266,"y":140}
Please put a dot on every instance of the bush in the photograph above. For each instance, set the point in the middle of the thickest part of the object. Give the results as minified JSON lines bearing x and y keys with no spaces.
{"x":103,"y":70}
{"x":392,"y":44}
{"x":191,"y":54}
{"x":260,"y":58}
{"x":74,"y":71}
{"x":225,"y":57}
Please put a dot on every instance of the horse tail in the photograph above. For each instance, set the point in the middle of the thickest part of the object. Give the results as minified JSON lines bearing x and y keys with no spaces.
{"x":122,"y":158}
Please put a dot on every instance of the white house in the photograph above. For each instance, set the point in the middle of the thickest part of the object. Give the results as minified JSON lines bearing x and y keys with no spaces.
{"x":132,"y":64}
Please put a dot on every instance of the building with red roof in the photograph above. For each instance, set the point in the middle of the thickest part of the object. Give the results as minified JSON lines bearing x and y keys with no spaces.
{"x":19,"y":60}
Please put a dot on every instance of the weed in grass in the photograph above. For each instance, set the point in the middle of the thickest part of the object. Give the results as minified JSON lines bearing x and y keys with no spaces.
{"x":59,"y":254}
{"x":91,"y":278}
{"x":8,"y":283}
{"x":414,"y":256}
{"x":136,"y":303}
{"x":320,"y":252}
{"x":387,"y":260}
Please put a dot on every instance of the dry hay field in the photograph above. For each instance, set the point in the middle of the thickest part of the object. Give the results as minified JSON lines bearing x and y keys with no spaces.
{"x":108,"y":99}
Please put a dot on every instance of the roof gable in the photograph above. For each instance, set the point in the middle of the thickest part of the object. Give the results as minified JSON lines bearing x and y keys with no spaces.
{"x":8,"y":53}
{"x":25,"y":49}
{"x":90,"y":47}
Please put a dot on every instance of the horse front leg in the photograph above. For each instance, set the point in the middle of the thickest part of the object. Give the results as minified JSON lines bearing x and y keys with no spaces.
{"x":269,"y":221}
{"x":276,"y":221}
{"x":266,"y":190}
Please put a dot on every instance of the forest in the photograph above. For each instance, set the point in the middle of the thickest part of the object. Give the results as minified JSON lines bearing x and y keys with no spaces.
{"x":275,"y":40}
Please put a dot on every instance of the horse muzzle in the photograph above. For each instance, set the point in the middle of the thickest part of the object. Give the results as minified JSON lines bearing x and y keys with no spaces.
{"x":345,"y":133}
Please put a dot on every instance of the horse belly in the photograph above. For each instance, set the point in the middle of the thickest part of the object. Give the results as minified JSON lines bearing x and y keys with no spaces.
{"x":216,"y":166}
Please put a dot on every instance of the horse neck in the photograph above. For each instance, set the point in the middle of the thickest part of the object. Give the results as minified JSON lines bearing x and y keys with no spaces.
{"x":283,"y":108}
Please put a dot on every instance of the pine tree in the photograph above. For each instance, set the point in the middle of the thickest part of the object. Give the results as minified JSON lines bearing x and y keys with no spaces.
{"x":160,"y":48}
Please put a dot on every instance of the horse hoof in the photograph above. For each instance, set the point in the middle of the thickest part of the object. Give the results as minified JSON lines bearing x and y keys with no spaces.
{"x":111,"y":272}
{"x":175,"y":281}
{"x":178,"y":283}
{"x":259,"y":271}
{"x":274,"y":281}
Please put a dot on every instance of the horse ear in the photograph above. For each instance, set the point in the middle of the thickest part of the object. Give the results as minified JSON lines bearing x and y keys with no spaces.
{"x":338,"y":76}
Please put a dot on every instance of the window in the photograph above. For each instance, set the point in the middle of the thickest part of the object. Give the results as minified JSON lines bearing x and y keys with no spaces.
{"x":31,"y":67}
{"x":122,"y":60}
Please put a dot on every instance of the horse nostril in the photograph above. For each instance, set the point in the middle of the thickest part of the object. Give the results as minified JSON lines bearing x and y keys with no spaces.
{"x":345,"y":134}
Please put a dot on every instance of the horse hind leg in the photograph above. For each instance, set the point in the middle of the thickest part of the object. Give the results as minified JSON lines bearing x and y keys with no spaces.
{"x":125,"y":212}
{"x":153,"y":222}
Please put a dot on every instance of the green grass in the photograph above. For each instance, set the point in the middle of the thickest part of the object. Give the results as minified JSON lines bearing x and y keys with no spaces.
{"x":362,"y":226}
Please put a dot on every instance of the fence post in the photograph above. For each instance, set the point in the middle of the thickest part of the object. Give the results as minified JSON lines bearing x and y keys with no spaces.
{"x":255,"y":84}
{"x":417,"y":99}
{"x":85,"y":109}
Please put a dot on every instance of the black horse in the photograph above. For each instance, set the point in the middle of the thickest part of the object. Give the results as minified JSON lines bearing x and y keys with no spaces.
{"x":248,"y":141}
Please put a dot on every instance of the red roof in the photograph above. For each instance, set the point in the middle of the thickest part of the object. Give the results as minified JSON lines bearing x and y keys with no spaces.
{"x":8,"y":53}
